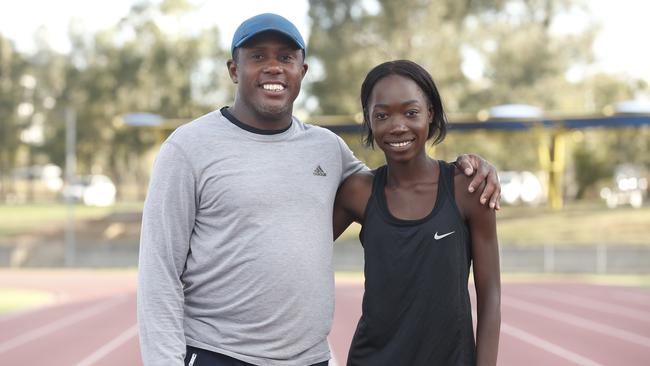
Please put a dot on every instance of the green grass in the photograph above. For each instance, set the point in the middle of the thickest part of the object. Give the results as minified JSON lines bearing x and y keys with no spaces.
{"x":576,"y":224}
{"x":14,"y":299}
{"x":23,"y":218}
{"x":636,"y":280}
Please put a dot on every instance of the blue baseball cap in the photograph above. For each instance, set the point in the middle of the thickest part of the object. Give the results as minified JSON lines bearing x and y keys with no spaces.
{"x":263,"y":23}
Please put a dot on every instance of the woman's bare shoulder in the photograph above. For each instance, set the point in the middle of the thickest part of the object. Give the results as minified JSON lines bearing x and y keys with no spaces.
{"x":468,"y":202}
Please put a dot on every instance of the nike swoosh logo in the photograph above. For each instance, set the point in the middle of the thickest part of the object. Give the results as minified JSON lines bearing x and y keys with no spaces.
{"x":438,"y":237}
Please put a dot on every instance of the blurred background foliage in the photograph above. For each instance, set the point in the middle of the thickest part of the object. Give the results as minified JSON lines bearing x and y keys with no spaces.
{"x":138,"y":66}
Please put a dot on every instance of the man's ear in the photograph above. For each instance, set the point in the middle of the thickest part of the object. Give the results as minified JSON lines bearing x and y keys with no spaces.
{"x":232,"y":70}
{"x":305,"y":67}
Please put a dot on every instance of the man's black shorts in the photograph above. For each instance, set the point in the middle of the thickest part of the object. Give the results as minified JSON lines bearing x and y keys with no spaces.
{"x":200,"y":357}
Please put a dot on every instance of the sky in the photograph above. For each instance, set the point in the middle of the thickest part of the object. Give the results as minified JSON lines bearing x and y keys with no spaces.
{"x":619,"y":47}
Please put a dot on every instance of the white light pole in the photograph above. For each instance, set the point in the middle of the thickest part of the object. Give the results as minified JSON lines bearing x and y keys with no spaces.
{"x":32,"y":133}
{"x":70,"y":173}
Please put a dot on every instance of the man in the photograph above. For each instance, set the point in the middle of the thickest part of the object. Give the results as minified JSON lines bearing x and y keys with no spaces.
{"x":236,"y":246}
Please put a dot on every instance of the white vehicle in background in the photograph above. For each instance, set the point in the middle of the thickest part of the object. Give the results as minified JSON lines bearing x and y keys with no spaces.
{"x":92,"y":190}
{"x":46,"y":176}
{"x":521,"y":187}
{"x":630,"y":187}
{"x":515,"y":111}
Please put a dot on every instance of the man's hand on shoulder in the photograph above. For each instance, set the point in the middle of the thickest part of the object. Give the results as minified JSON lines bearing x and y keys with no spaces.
{"x":482,"y":171}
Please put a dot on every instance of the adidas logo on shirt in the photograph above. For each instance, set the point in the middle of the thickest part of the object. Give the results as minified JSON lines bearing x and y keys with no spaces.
{"x":319,"y":171}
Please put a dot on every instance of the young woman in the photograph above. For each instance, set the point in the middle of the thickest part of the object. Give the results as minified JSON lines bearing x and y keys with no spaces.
{"x":421,"y":231}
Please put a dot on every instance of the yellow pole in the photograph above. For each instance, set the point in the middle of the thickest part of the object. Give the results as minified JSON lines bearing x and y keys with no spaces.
{"x":552,"y":158}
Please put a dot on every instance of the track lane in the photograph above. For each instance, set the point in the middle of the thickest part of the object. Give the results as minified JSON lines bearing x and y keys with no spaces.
{"x":543,"y":323}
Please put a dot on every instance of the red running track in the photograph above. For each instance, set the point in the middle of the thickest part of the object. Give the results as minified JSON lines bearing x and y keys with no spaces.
{"x":93,"y":322}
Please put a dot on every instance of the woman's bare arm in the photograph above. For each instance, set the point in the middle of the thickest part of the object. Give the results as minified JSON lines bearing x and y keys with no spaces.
{"x":485,"y":263}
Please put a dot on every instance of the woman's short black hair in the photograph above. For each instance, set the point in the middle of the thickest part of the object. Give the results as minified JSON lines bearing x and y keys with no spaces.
{"x":422,"y":78}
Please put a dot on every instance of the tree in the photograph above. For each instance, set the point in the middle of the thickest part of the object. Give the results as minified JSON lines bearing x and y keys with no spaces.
{"x":135,"y":66}
{"x":524,"y":59}
{"x":12,"y":68}
{"x":336,"y":50}
{"x":349,"y":37}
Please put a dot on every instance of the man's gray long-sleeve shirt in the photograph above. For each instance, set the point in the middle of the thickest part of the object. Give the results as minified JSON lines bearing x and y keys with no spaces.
{"x":236,"y":243}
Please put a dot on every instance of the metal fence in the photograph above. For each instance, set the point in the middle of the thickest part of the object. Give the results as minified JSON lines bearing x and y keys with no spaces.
{"x":598,"y":258}
{"x":348,"y":256}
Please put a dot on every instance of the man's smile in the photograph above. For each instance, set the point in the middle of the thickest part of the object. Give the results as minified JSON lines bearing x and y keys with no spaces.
{"x":274,"y":87}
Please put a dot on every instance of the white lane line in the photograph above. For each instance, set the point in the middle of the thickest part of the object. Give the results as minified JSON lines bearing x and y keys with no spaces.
{"x":635,"y":298}
{"x":547,"y":346}
{"x":591,"y":304}
{"x":577,"y":321}
{"x":333,"y":359}
{"x":109,"y":347}
{"x":61,"y":323}
{"x":543,"y":344}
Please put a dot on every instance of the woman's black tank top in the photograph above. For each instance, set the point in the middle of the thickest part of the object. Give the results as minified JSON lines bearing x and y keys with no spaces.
{"x":416,"y":308}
